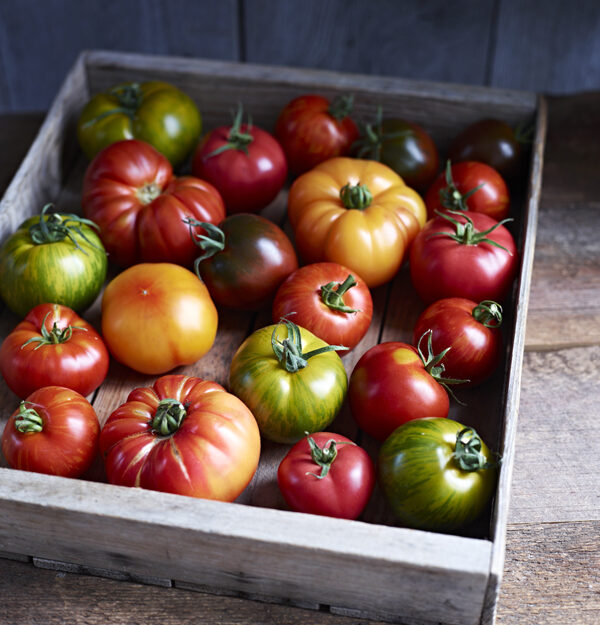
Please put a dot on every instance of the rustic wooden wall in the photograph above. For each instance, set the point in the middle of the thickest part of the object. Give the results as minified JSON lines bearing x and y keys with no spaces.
{"x":543,"y":45}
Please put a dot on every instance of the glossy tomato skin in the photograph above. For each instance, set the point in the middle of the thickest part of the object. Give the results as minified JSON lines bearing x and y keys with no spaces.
{"x":258,"y":256}
{"x":310,"y":134}
{"x":153,"y":111}
{"x":492,"y":199}
{"x":345,"y":489}
{"x":475,"y":349}
{"x":249,"y":179}
{"x":79,"y":363}
{"x":68,"y":441}
{"x":390,"y":386}
{"x":129,"y":190}
{"x":424,"y":486}
{"x":441,"y":267}
{"x":157,"y":316}
{"x":300,"y":298}
{"x":213,"y":454}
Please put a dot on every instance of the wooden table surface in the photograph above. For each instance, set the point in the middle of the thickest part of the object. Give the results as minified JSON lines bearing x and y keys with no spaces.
{"x":552,"y":567}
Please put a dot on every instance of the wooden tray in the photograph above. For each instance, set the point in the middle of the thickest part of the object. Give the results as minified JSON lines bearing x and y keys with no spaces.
{"x":255,"y":547}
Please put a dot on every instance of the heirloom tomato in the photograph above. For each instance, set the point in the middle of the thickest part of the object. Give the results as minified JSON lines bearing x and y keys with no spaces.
{"x":129,"y":190}
{"x":53,"y":346}
{"x":328,"y":300}
{"x":470,"y":330}
{"x":54,"y":431}
{"x":183,"y":435}
{"x":327,"y":474}
{"x":357,"y":213}
{"x":312,"y":129}
{"x":469,"y":186}
{"x":436,"y":474}
{"x":55,"y":258}
{"x":157,"y":316}
{"x":244,"y":162}
{"x":155,"y":112}
{"x":293,"y":382}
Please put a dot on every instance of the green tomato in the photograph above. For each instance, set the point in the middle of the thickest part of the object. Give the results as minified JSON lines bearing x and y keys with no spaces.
{"x":155,"y":112}
{"x":292,"y":381}
{"x":56,"y":259}
{"x":436,"y":474}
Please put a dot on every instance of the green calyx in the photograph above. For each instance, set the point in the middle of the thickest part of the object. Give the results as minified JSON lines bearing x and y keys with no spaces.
{"x":488,"y":313}
{"x":341,"y":107}
{"x":28,"y":420}
{"x":289,"y":350}
{"x":356,"y":196}
{"x":168,"y":417}
{"x":467,"y":452}
{"x":332,"y":294}
{"x":370,"y":143}
{"x":324,"y":456}
{"x":236,"y":140}
{"x":451,"y":197}
{"x":53,"y":337}
{"x":129,"y":99}
{"x":210,"y":243}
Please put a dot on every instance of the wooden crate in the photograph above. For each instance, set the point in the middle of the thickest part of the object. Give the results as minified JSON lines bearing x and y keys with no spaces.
{"x":255,"y":547}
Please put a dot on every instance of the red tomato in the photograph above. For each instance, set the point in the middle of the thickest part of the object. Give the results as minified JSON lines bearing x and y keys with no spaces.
{"x":53,"y":346}
{"x":470,"y":330}
{"x":54,"y":431}
{"x":130,"y":192}
{"x":245,"y":163}
{"x":327,"y":474}
{"x":469,"y":186}
{"x":466,"y":255}
{"x":184,"y":435}
{"x":312,"y":129}
{"x":329,"y":300}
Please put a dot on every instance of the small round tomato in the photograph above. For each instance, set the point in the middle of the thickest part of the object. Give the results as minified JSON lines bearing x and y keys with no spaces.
{"x":312,"y":129}
{"x":470,"y":330}
{"x":436,"y":474}
{"x":157,"y":316}
{"x":244,"y":162}
{"x":183,"y":435}
{"x":329,"y":300}
{"x":53,"y":346}
{"x":466,"y":255}
{"x":327,"y":474}
{"x":54,"y":431}
{"x":469,"y":186}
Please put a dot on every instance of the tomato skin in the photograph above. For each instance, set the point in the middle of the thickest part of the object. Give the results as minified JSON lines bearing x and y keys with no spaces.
{"x":68,"y":442}
{"x":441,"y":267}
{"x":153,"y":111}
{"x":79,"y":363}
{"x":157,"y":316}
{"x":300,"y":294}
{"x":492,"y":199}
{"x":344,"y":491}
{"x":425,"y":487}
{"x":476,"y":350}
{"x":129,"y":190}
{"x":310,"y":134}
{"x":390,"y":386}
{"x":213,"y":453}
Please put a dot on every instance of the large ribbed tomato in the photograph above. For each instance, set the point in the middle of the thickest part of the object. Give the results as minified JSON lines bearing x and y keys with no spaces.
{"x":358,"y":213}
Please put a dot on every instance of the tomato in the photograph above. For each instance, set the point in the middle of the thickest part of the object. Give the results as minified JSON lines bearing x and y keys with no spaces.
{"x":470,"y":330}
{"x":155,"y":112}
{"x":54,"y":431}
{"x":52,"y":258}
{"x":357,"y":213}
{"x":183,"y":435}
{"x":466,"y":255}
{"x":293,"y":385}
{"x":469,"y":186}
{"x":157,"y":316}
{"x":327,"y":474}
{"x":328,"y":300}
{"x":436,"y":474}
{"x":244,"y":162}
{"x":53,"y":346}
{"x":129,"y":190}
{"x":312,"y":129}
{"x":244,"y":260}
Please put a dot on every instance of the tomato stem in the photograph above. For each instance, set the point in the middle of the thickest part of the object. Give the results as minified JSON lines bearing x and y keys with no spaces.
{"x":129,"y":99}
{"x":28,"y":420}
{"x":356,"y":196}
{"x":53,"y":337}
{"x":467,"y":451}
{"x":324,"y":456}
{"x":210,"y":243}
{"x":488,"y":313}
{"x":341,"y":106}
{"x":370,"y":144}
{"x":168,"y":417}
{"x":332,"y":294}
{"x":451,"y":197}
{"x":236,"y":140}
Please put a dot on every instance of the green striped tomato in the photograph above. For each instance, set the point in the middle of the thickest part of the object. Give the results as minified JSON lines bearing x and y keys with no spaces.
{"x":436,"y":474}
{"x":287,"y":404}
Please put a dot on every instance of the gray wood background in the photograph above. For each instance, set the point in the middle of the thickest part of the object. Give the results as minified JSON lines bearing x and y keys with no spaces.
{"x":551,"y":46}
